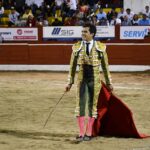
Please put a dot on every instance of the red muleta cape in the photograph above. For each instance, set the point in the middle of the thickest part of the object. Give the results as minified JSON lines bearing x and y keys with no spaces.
{"x":114,"y":117}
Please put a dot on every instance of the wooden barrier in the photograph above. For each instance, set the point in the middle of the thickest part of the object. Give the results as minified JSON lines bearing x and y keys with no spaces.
{"x":118,"y":53}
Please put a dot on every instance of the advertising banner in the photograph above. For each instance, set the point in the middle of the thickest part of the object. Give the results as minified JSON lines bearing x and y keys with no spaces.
{"x":19,"y":34}
{"x":133,"y":32}
{"x":74,"y":32}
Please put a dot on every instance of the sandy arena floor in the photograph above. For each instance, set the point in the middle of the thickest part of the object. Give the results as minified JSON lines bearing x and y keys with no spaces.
{"x":27,"y":97}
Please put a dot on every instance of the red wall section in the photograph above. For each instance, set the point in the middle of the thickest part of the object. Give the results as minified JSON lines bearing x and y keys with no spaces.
{"x":60,"y":54}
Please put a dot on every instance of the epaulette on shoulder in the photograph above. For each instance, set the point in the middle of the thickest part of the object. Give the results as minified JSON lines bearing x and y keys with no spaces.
{"x":100,"y":46}
{"x":77,"y":46}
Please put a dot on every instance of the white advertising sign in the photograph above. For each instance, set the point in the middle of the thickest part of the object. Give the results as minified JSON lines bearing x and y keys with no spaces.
{"x":105,"y":31}
{"x":134,"y":32}
{"x":19,"y":34}
{"x":72,"y":32}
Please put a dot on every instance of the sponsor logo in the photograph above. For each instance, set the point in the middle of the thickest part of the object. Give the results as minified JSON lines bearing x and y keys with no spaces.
{"x":19,"y":31}
{"x":56,"y":31}
{"x":135,"y":33}
{"x":62,"y":32}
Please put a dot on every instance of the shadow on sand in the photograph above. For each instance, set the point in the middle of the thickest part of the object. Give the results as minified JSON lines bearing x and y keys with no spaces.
{"x":39,"y":135}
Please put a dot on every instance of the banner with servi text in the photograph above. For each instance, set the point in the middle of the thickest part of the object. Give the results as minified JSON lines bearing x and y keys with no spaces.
{"x":19,"y":34}
{"x":74,"y":32}
{"x":134,"y":32}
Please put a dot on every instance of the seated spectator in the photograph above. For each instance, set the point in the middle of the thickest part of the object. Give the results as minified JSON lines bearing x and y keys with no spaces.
{"x":79,"y":21}
{"x":111,"y":14}
{"x":115,"y":21}
{"x":101,"y":14}
{"x":103,"y":22}
{"x":27,"y":13}
{"x":147,"y":11}
{"x":71,"y":21}
{"x":1,"y":11}
{"x":135,"y":20}
{"x":20,"y":6}
{"x":58,"y":6}
{"x":29,"y":3}
{"x":13,"y":17}
{"x":129,"y":13}
{"x":57,"y":23}
{"x":8,"y":4}
{"x":31,"y":21}
{"x":144,"y":21}
{"x":94,"y":20}
{"x":83,"y":7}
{"x":72,"y":7}
{"x":126,"y":21}
{"x":38,"y":3}
{"x":121,"y":13}
{"x":45,"y":21}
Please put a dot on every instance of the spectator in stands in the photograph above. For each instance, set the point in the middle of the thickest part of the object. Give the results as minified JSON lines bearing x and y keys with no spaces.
{"x":103,"y":22}
{"x":79,"y":21}
{"x":57,"y":23}
{"x":71,"y":21}
{"x":126,"y":21}
{"x":29,"y":3}
{"x":45,"y":21}
{"x":129,"y":13}
{"x":135,"y":20}
{"x":101,"y":14}
{"x":38,"y":3}
{"x":27,"y":13}
{"x":147,"y":11}
{"x":92,"y":4}
{"x":83,"y":8}
{"x":8,"y":4}
{"x":115,"y":21}
{"x":20,"y":6}
{"x":94,"y":20}
{"x":31,"y":21}
{"x":111,"y":14}
{"x":13,"y":17}
{"x":72,"y":7}
{"x":121,"y":14}
{"x":144,"y":21}
{"x":1,"y":11}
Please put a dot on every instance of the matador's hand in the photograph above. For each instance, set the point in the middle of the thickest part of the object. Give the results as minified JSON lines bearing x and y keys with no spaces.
{"x":68,"y":87}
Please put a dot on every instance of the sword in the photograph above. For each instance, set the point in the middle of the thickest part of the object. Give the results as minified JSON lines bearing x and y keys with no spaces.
{"x":50,"y":114}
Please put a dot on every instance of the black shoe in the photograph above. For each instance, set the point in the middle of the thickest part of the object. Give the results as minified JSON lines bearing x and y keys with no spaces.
{"x":87,"y":138}
{"x":79,"y":138}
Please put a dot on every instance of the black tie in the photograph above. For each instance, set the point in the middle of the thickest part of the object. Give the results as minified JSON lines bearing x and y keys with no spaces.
{"x":87,"y":48}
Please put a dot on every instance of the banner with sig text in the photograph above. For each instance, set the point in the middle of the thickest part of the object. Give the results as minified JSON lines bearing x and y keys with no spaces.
{"x":74,"y":32}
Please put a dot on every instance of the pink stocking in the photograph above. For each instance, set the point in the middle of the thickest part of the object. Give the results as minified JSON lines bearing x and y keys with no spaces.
{"x":81,"y":120}
{"x":89,"y":126}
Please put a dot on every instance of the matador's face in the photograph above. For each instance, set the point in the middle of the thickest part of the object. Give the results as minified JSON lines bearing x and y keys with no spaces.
{"x":86,"y":35}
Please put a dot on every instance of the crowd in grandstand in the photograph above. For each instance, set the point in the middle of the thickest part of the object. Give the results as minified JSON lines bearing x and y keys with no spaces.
{"x":69,"y":13}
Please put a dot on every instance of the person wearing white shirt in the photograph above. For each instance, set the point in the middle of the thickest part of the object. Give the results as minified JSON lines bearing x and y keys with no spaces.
{"x":88,"y":55}
{"x":129,"y":13}
{"x":29,"y":2}
{"x":73,"y":7}
{"x":38,"y":3}
{"x":13,"y":17}
{"x":147,"y":11}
